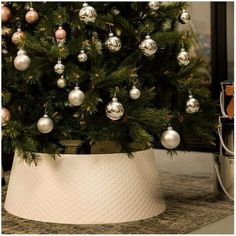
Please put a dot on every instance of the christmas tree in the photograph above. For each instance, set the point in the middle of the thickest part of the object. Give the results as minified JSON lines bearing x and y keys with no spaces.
{"x":117,"y":71}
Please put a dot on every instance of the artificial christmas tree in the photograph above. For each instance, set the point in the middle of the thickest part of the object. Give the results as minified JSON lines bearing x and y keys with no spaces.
{"x":103,"y":71}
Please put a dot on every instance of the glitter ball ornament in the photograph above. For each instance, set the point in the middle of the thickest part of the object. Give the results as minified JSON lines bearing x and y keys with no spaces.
{"x":192,"y":105}
{"x":113,"y":43}
{"x":18,"y":37}
{"x":114,"y":109}
{"x":61,"y":82}
{"x":148,"y":46}
{"x":22,"y":60}
{"x":183,"y":58}
{"x":60,"y":34}
{"x":134,"y":93}
{"x":87,"y":13}
{"x":76,"y":97}
{"x":82,"y":57}
{"x":170,"y":139}
{"x":59,"y":67}
{"x":31,"y":16}
{"x":5,"y":13}
{"x":153,"y":5}
{"x":45,"y":124}
{"x":5,"y":116}
{"x":184,"y":17}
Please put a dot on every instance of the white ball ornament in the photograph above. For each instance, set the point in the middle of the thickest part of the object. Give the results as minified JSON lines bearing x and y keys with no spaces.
{"x":76,"y":97}
{"x":82,"y":57}
{"x":45,"y":124}
{"x":183,"y":58}
{"x":61,"y":82}
{"x":113,"y":43}
{"x":134,"y":93}
{"x":87,"y":13}
{"x":59,"y":67}
{"x":148,"y":46}
{"x":170,"y":139}
{"x":114,"y":109}
{"x":22,"y":60}
{"x":184,"y":17}
{"x":192,"y":105}
{"x":154,"y":5}
{"x":5,"y":116}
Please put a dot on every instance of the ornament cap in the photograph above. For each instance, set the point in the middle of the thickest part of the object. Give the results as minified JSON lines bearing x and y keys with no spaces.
{"x":111,"y":34}
{"x":133,"y":87}
{"x":114,"y":100}
{"x":169,"y":128}
{"x":182,"y":49}
{"x":59,"y":62}
{"x":148,"y":37}
{"x":85,"y":4}
{"x":190,"y":96}
{"x":82,"y":51}
{"x":77,"y":88}
{"x":31,"y":9}
{"x":183,"y":10}
{"x":60,"y":27}
{"x":19,"y":30}
{"x":21,"y":52}
{"x":45,"y":115}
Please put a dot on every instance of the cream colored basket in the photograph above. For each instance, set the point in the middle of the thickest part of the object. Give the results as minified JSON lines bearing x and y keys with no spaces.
{"x":86,"y":189}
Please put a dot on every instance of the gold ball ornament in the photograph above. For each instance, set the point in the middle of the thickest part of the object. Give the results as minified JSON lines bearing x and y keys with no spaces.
{"x":60,"y":33}
{"x":76,"y":97}
{"x":32,"y":16}
{"x":22,"y":60}
{"x":113,"y":43}
{"x":87,"y":13}
{"x":6,"y":14}
{"x":114,"y":109}
{"x":18,"y":37}
{"x":5,"y":116}
{"x":148,"y":46}
{"x":45,"y":124}
{"x":183,"y":58}
{"x":170,"y":139}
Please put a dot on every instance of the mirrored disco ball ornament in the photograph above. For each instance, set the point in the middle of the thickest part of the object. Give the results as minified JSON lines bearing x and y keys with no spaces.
{"x":114,"y":109}
{"x":184,"y":17}
{"x":76,"y":97}
{"x":22,"y":60}
{"x":59,"y":67}
{"x":45,"y":124}
{"x":113,"y":43}
{"x":87,"y":13}
{"x":148,"y":46}
{"x":183,"y":58}
{"x":134,"y":93}
{"x":170,"y":139}
{"x":192,"y":105}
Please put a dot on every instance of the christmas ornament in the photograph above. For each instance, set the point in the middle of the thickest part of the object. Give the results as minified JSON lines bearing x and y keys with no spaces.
{"x":22,"y":61}
{"x":87,"y":13}
{"x":76,"y":97}
{"x":114,"y":109}
{"x":6,"y":31}
{"x":61,"y":82}
{"x":6,"y":13}
{"x":18,"y":37}
{"x":183,"y":58}
{"x":153,"y":5}
{"x":5,"y":116}
{"x":192,"y":105}
{"x":184,"y":17}
{"x":31,"y":16}
{"x":170,"y":139}
{"x":134,"y":93}
{"x":60,"y":34}
{"x":113,"y":43}
{"x":59,"y":67}
{"x":45,"y":124}
{"x":115,"y":11}
{"x":148,"y":46}
{"x":82,"y":57}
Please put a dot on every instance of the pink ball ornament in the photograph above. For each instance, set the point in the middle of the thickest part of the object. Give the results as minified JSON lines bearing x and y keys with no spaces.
{"x":60,"y":33}
{"x":31,"y":16}
{"x":6,"y":13}
{"x":5,"y":116}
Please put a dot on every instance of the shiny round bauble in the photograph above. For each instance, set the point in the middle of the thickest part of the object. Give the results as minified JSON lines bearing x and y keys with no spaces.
{"x":5,"y":116}
{"x":76,"y":97}
{"x":22,"y":60}
{"x":148,"y":46}
{"x":184,"y":17}
{"x":183,"y":58}
{"x":32,"y":16}
{"x":134,"y":93}
{"x":115,"y":11}
{"x":82,"y":57}
{"x":59,"y":67}
{"x":18,"y":37}
{"x":192,"y":105}
{"x":45,"y":124}
{"x":154,"y":5}
{"x":87,"y":13}
{"x":114,"y":109}
{"x":6,"y":13}
{"x":61,"y":82}
{"x":113,"y":43}
{"x":60,"y":33}
{"x":170,"y":139}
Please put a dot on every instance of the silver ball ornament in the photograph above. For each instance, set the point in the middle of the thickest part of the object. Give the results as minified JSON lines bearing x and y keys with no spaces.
{"x":184,"y":17}
{"x":192,"y":105}
{"x":114,"y":109}
{"x":113,"y":43}
{"x":76,"y":97}
{"x":134,"y":93}
{"x":154,"y":5}
{"x":148,"y":46}
{"x":183,"y":58}
{"x":5,"y":116}
{"x":170,"y":139}
{"x":59,"y":67}
{"x":45,"y":124}
{"x":82,"y":57}
{"x":61,"y":82}
{"x":87,"y":13}
{"x":22,"y":60}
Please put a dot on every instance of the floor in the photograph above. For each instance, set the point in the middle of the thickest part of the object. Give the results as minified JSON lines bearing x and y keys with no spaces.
{"x":200,"y":164}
